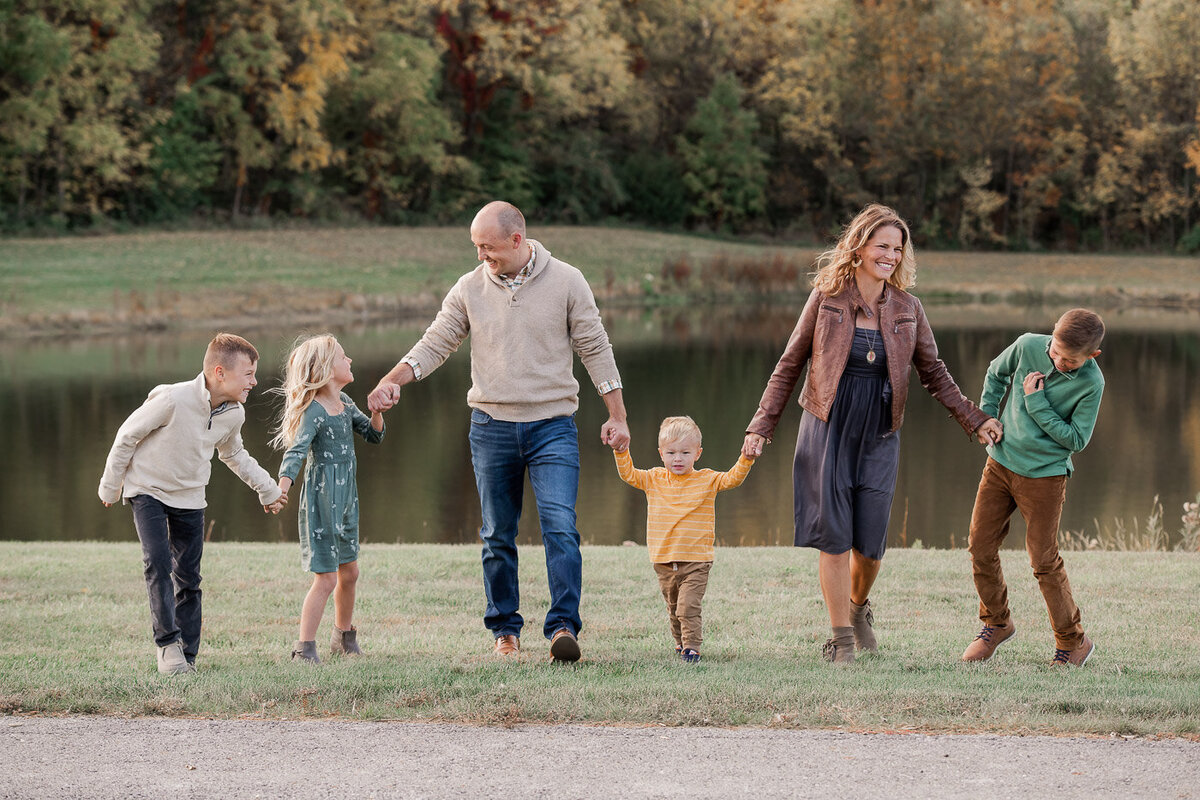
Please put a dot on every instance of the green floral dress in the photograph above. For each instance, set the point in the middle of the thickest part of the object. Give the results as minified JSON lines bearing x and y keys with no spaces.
{"x":329,"y":495}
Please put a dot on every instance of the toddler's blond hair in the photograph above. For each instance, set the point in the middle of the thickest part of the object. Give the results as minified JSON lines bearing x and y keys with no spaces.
{"x":674,"y":429}
{"x":309,"y":368}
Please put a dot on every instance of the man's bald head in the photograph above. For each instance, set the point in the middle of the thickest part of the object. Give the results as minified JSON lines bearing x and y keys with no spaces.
{"x":505,"y":216}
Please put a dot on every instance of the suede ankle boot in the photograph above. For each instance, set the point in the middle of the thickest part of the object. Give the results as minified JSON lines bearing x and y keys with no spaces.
{"x":840,"y":647}
{"x":345,"y":643}
{"x":862,"y":619}
{"x":306,"y":651}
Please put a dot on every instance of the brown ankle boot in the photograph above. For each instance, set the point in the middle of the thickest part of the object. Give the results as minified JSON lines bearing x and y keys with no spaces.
{"x":862,"y":619}
{"x":840,"y":648}
{"x":306,"y":651}
{"x":345,"y":643}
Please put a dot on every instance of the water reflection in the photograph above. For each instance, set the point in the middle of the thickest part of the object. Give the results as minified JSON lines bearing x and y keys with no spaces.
{"x":61,"y":403}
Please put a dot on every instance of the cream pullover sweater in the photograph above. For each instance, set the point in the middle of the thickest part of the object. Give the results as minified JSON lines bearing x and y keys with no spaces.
{"x":165,"y":448}
{"x":522,"y":340}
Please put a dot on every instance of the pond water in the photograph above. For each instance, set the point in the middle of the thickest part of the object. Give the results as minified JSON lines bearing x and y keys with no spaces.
{"x":61,"y":402}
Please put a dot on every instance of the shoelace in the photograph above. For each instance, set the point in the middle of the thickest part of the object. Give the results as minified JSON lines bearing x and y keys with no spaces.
{"x":1062,"y":656}
{"x":986,"y":633}
{"x":829,"y":649}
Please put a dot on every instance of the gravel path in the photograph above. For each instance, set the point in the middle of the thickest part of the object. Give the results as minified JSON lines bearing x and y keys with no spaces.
{"x":99,"y":757}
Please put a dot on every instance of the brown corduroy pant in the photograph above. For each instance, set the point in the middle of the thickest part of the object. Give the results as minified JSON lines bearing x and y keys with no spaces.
{"x":683,"y":584}
{"x":1040,"y":501}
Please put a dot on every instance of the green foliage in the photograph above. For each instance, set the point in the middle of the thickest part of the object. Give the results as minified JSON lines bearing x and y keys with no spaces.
{"x":724,"y":169}
{"x":1025,"y":124}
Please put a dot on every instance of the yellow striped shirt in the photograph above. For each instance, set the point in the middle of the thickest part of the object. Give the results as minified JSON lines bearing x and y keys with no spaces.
{"x":681,"y":517}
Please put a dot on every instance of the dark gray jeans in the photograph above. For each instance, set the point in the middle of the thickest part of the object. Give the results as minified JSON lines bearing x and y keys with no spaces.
{"x":172,"y":544}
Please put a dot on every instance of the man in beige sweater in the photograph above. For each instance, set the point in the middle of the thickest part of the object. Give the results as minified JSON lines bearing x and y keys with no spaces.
{"x":527,"y":313}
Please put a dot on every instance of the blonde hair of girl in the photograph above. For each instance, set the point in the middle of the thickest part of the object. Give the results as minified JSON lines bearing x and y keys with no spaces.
{"x":836,"y":266}
{"x":309,"y":368}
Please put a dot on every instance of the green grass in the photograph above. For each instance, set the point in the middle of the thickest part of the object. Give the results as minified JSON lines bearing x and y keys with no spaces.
{"x":74,"y":624}
{"x":156,"y":280}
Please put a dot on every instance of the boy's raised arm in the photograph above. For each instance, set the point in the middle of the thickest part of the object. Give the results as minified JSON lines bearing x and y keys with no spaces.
{"x":1073,"y":435}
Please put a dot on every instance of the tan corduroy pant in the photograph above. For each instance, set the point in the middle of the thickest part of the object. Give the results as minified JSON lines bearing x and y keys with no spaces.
{"x":1040,"y":501}
{"x":683,"y":584}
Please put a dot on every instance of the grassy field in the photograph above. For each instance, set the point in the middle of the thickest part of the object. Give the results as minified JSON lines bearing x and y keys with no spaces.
{"x":158,"y":280}
{"x":74,"y":624}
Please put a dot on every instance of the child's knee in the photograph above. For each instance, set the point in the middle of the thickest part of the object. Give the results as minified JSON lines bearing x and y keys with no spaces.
{"x":325,"y":581}
{"x":348,"y":573}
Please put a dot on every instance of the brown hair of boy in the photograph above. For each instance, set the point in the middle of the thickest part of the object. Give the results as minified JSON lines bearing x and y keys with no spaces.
{"x":224,"y":350}
{"x":1080,"y":330}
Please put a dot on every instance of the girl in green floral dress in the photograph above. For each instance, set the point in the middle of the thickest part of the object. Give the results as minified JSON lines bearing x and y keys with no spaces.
{"x":318,"y":423}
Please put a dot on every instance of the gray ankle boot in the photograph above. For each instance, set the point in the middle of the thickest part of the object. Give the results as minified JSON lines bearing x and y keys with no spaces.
{"x":862,"y":619}
{"x":306,"y":651}
{"x":840,"y":647}
{"x":345,"y":642}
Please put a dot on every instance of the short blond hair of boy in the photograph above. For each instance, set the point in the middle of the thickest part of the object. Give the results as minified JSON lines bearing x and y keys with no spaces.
{"x":224,"y":350}
{"x":675,"y":429}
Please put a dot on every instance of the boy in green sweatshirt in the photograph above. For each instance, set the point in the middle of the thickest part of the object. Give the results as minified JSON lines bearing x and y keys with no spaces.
{"x":1054,"y":387}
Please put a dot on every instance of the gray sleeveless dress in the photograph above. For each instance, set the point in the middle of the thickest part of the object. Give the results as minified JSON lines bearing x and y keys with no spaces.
{"x":844,"y":473}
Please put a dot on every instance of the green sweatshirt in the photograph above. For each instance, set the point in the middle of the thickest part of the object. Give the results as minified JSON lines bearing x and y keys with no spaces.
{"x":1042,"y":429}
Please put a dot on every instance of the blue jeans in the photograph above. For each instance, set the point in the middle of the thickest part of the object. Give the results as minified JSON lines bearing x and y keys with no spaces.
{"x":501,"y":453}
{"x":172,"y":543}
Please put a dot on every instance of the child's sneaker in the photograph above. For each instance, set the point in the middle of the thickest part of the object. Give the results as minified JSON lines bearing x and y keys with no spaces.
{"x":1074,"y":658}
{"x":689,"y":656}
{"x":987,"y":640}
{"x":171,"y":660}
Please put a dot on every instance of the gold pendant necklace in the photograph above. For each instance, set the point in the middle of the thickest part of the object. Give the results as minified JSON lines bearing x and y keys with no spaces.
{"x":871,"y":349}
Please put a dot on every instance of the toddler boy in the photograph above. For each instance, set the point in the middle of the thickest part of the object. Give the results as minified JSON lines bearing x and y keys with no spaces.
{"x":681,"y":523}
{"x":160,"y":463}
{"x":1054,"y":387}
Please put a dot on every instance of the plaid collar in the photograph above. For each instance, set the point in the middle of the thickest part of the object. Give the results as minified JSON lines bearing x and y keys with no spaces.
{"x":523,"y":275}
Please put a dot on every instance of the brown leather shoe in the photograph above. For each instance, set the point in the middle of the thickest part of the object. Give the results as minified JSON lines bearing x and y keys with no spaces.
{"x":564,"y":647}
{"x":1074,"y":658}
{"x":508,"y":645}
{"x":987,"y":640}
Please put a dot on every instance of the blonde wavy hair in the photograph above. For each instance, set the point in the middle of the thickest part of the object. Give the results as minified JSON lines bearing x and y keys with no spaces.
{"x":836,"y":266}
{"x":309,"y":368}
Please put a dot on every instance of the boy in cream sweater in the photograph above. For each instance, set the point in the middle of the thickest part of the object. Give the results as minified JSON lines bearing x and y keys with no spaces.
{"x":160,"y":464}
{"x":681,"y":523}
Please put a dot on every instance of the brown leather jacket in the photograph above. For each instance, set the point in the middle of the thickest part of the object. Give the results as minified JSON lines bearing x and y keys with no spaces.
{"x":824,"y":334}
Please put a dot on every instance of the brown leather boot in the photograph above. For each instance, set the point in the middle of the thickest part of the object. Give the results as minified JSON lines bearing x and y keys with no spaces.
{"x":306,"y":651}
{"x":840,"y":647}
{"x":344,"y":643}
{"x":862,"y":619}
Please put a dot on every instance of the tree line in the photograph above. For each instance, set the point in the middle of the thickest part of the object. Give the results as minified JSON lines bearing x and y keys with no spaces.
{"x":988,"y":123}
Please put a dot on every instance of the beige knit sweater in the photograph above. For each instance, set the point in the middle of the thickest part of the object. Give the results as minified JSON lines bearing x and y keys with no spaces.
{"x":522,"y":340}
{"x":165,"y":449}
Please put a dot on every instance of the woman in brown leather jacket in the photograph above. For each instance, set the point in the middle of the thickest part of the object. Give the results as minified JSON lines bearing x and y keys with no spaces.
{"x":859,"y":332}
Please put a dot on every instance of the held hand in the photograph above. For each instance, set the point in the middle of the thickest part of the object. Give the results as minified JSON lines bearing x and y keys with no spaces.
{"x":990,"y":432}
{"x":752,"y":447}
{"x":615,"y":434}
{"x":1034,"y":382}
{"x":383,"y":397}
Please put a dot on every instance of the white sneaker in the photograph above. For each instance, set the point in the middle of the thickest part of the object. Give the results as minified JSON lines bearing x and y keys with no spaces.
{"x":171,"y":660}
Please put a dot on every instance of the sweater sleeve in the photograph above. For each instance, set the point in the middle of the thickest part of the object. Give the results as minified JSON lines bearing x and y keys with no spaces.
{"x":155,"y":412}
{"x":735,"y":476}
{"x":998,"y":379}
{"x":589,"y":339}
{"x":233,"y":453}
{"x":444,"y":335}
{"x":1073,"y":434}
{"x":637,"y":478}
